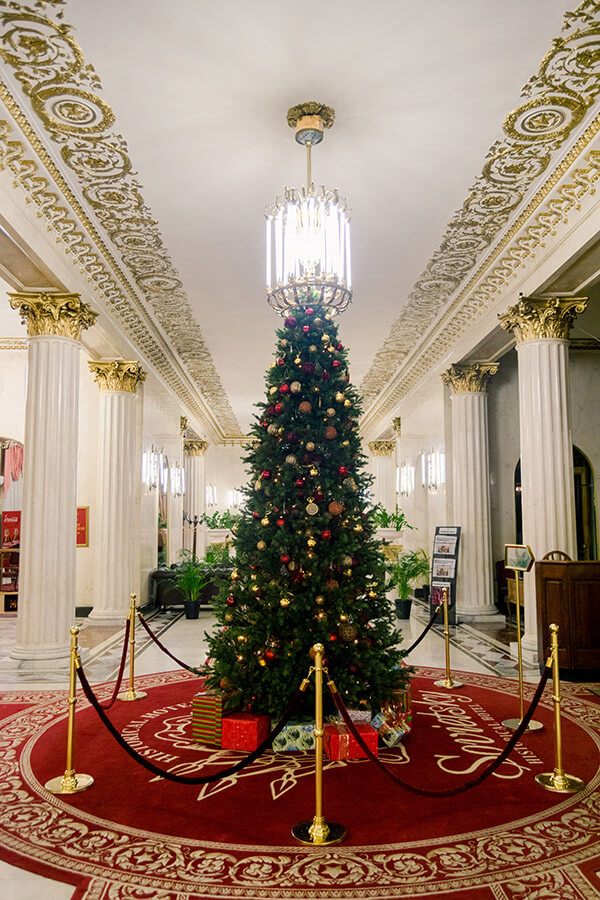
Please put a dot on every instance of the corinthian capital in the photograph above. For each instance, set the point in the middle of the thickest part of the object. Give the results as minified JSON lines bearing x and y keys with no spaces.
{"x":382,"y":448}
{"x":195,"y":448}
{"x":56,"y":314}
{"x":117,"y":374}
{"x":469,"y":379}
{"x":537,"y":317}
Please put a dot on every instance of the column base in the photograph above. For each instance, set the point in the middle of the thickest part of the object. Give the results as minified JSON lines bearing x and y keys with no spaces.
{"x":479,"y":614}
{"x":107,"y":617}
{"x":530,"y":656}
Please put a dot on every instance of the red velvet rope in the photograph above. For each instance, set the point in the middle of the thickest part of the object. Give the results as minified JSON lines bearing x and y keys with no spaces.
{"x":187,"y":779}
{"x":110,"y":702}
{"x":449,"y":792}
{"x":164,"y":649}
{"x":428,"y":626}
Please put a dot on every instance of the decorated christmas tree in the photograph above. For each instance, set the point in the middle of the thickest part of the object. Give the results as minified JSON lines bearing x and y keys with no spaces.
{"x":308,"y":567}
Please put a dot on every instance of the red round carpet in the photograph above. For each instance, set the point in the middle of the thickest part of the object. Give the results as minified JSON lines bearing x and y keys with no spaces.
{"x":135,"y":835}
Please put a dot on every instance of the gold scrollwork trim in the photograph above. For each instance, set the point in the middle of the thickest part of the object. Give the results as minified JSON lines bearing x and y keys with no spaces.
{"x":117,"y":374}
{"x":382,"y":448}
{"x":195,"y":448}
{"x":542,"y":317}
{"x":57,"y":314}
{"x":13,"y":344}
{"x":471,"y":378}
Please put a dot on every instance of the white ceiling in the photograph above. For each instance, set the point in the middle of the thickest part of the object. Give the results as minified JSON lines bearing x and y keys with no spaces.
{"x":201,"y":89}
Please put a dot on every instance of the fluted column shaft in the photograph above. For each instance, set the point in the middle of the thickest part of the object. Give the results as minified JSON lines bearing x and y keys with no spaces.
{"x":195,"y":491}
{"x":118,"y":473}
{"x":471,"y":487}
{"x":384,"y":470}
{"x":541,"y":327}
{"x":48,"y":529}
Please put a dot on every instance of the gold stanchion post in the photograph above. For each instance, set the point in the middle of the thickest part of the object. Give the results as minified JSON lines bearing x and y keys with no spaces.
{"x":448,"y":681}
{"x":319,"y":832}
{"x":512,"y":724}
{"x":558,"y":781}
{"x":71,"y":782}
{"x":131,"y":693}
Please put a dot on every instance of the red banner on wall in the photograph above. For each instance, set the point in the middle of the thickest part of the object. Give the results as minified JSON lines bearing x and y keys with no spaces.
{"x":83,"y":520}
{"x":11,"y":530}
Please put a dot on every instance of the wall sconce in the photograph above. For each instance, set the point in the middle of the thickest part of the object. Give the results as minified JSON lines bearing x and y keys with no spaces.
{"x":150,"y":468}
{"x":177,"y":479}
{"x":433,"y":469}
{"x":211,"y":495}
{"x":236,"y":498}
{"x":405,"y":479}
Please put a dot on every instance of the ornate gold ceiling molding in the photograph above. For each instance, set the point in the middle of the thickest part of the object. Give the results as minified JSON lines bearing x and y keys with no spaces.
{"x":50,"y":67}
{"x":549,"y":318}
{"x":556,"y":100}
{"x":57,"y":315}
{"x":122,"y":375}
{"x":471,"y":378}
{"x":13,"y":344}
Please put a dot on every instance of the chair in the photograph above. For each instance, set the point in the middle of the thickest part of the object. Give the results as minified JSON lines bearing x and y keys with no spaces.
{"x":558,"y":555}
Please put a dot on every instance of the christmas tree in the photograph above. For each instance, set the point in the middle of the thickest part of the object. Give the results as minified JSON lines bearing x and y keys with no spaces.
{"x":308,"y":567}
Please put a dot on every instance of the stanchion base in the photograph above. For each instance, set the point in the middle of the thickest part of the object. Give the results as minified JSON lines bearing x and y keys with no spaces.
{"x":513,"y":724}
{"x":64,"y":784}
{"x":132,"y":695}
{"x":448,"y":683}
{"x":336,"y":834}
{"x":561,"y":784}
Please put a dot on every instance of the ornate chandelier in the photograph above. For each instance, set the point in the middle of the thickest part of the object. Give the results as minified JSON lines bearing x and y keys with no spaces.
{"x":308,"y":232}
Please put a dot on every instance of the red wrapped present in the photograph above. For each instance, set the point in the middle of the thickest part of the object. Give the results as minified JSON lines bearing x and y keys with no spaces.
{"x":244,"y":731}
{"x":340,"y":744}
{"x":207,"y":715}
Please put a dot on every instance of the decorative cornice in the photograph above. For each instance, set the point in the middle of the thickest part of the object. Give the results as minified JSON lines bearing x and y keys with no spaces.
{"x":542,"y":317}
{"x":50,"y":67}
{"x":195,"y":448}
{"x":56,"y":314}
{"x":397,"y":426}
{"x":382,"y":448}
{"x":470,"y":379}
{"x":13,"y":344}
{"x":117,"y":374}
{"x":556,"y":100}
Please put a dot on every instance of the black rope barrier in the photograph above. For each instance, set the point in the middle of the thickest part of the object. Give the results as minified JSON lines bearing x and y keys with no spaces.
{"x":423,"y":633}
{"x":449,"y":792}
{"x":189,"y":779}
{"x":164,"y":649}
{"x":110,"y":702}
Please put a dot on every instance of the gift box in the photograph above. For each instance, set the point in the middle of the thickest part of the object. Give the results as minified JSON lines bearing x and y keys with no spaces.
{"x":295,"y":736}
{"x":244,"y":731}
{"x":207,"y":716}
{"x":340,"y":743}
{"x":392,"y":734}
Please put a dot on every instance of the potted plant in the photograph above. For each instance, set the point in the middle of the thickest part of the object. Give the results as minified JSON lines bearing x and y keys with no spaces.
{"x":408,"y":568}
{"x":190,"y":579}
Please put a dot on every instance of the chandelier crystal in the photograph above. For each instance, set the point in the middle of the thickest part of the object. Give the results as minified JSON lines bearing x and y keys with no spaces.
{"x":308,"y":232}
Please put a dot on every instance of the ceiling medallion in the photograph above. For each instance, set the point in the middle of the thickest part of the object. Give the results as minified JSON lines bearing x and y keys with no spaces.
{"x":308,"y":232}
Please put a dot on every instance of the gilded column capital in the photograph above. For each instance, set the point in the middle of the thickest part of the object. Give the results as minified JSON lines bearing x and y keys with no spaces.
{"x":397,"y":426}
{"x":56,"y":314}
{"x":471,"y":378}
{"x":195,"y":448}
{"x":542,"y":317}
{"x":117,"y":374}
{"x":382,"y":448}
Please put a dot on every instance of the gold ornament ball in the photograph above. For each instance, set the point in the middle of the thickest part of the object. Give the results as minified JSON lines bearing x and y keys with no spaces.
{"x":253,"y":577}
{"x":229,"y":617}
{"x":347,"y":560}
{"x":348,"y":573}
{"x":339,"y":397}
{"x":235,"y":575}
{"x":310,"y":446}
{"x":311,"y":542}
{"x":262,"y":662}
{"x":319,"y":599}
{"x":283,"y":343}
{"x":347,"y":403}
{"x":273,"y":390}
{"x":343,"y":617}
{"x":324,"y":338}
{"x":295,"y":387}
{"x":336,"y":508}
{"x":313,"y":348}
{"x":261,"y":545}
{"x":358,"y":527}
{"x":242,"y":638}
{"x":290,"y":459}
{"x":321,"y":615}
{"x":305,"y":407}
{"x":372,"y":594}
{"x":285,"y":601}
{"x":272,"y":429}
{"x":331,"y":412}
{"x":264,"y":521}
{"x":314,"y":471}
{"x":345,"y":443}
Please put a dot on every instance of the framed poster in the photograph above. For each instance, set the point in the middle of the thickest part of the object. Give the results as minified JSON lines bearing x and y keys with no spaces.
{"x":83,"y":521}
{"x":518,"y":557}
{"x":11,"y":530}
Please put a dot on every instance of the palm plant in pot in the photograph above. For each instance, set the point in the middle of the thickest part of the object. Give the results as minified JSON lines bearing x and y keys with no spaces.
{"x":410,"y":566}
{"x":191,"y":579}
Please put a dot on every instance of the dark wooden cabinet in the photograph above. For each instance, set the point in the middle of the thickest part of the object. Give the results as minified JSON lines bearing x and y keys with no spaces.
{"x":568,"y":594}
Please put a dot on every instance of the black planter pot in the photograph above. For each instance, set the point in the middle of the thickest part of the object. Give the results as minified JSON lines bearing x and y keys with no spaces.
{"x":192,"y":608}
{"x":403,"y":608}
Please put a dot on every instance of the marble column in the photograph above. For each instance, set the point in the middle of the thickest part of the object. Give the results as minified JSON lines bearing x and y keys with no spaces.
{"x":384,"y":470}
{"x":471,"y":487}
{"x":48,"y":531}
{"x":116,"y":529}
{"x":195,"y":491}
{"x":541,"y":329}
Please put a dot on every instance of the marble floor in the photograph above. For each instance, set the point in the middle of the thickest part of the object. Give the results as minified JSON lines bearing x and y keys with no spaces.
{"x":474,"y":648}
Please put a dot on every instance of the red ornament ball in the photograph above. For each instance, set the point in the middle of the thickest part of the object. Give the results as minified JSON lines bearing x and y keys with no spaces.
{"x":309,"y":311}
{"x":278,"y":408}
{"x":290,"y":322}
{"x":280,"y":522}
{"x":353,"y":668}
{"x":336,"y":363}
{"x":325,"y":376}
{"x":270,"y":410}
{"x":270,"y":655}
{"x":256,"y":515}
{"x":333,"y":637}
{"x":230,"y":601}
{"x":330,"y":432}
{"x":280,"y":362}
{"x":306,"y":329}
{"x":265,"y":474}
{"x":344,"y":470}
{"x":299,"y":482}
{"x":326,"y":534}
{"x":284,"y":389}
{"x":285,"y":558}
